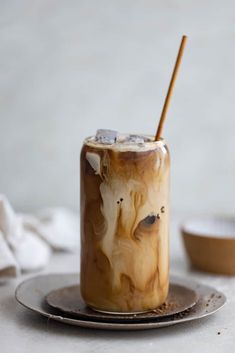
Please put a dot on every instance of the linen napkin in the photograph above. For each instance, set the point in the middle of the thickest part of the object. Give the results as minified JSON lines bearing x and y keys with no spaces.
{"x":27,"y":241}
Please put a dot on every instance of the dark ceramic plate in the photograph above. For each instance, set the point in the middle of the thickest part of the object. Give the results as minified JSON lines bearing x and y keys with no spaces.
{"x":69,"y":301}
{"x":31,"y":294}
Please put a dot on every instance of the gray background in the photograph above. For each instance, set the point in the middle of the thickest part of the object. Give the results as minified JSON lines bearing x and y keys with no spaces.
{"x":70,"y":67}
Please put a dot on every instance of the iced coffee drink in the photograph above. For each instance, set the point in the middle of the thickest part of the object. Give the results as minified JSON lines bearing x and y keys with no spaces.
{"x":124,"y":222}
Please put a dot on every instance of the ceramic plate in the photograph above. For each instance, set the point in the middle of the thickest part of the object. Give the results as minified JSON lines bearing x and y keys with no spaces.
{"x":69,"y":301}
{"x":32,"y":292}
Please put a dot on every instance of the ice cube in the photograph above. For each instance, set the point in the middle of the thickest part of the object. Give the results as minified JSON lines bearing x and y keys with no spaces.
{"x":134,"y":139}
{"x":106,"y":136}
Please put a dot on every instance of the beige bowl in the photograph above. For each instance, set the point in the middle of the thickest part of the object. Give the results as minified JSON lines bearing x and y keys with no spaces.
{"x":210,"y":243}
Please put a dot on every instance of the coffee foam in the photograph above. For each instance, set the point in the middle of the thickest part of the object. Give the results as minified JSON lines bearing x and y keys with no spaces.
{"x":123,"y":145}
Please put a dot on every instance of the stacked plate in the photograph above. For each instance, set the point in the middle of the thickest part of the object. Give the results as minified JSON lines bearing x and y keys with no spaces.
{"x":57,"y":296}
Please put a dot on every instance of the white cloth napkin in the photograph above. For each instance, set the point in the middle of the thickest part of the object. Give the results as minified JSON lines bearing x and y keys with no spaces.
{"x":26,"y":241}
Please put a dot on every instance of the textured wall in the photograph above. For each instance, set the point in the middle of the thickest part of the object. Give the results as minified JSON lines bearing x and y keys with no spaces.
{"x":70,"y":67}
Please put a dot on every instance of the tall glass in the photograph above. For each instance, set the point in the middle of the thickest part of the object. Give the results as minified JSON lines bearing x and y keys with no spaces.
{"x":124,"y":225}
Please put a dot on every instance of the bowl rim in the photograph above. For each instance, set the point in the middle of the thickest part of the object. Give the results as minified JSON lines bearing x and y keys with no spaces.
{"x":222,"y":237}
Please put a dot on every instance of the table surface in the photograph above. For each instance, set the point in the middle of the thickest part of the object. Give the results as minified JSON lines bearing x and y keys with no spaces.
{"x":24,"y":331}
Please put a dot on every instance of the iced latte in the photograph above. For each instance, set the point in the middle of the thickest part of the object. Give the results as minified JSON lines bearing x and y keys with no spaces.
{"x":124,"y":222}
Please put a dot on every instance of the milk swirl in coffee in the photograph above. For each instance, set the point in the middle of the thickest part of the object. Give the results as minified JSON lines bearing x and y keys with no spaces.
{"x":124,"y":222}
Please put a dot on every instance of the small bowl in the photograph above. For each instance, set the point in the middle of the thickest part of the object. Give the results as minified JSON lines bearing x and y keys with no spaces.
{"x":210,"y":243}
